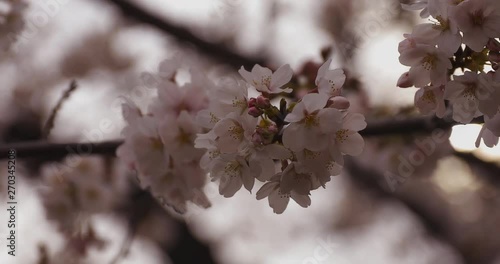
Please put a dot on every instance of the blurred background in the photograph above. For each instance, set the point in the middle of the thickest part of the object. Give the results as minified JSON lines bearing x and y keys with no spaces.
{"x":391,"y":204}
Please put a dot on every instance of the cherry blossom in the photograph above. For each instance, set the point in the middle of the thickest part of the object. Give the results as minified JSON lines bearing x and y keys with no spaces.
{"x":346,"y":139}
{"x":430,"y":99}
{"x":465,"y":93}
{"x":479,"y":20}
{"x":202,"y":127}
{"x":330,"y":82}
{"x":310,"y":123}
{"x":428,"y":64}
{"x":264,"y":80}
{"x":490,"y":132}
{"x":278,"y":200}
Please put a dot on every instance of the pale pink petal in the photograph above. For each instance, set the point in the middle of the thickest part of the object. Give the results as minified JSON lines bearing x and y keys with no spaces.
{"x":353,"y":145}
{"x":302,"y":200}
{"x":281,"y":77}
{"x":266,"y":190}
{"x":314,"y":102}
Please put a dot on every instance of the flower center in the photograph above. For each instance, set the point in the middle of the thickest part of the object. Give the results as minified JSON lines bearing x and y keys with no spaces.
{"x":310,"y":154}
{"x":311,"y":120}
{"x":236,"y":131}
{"x":429,"y":62}
{"x":232,"y":169}
{"x":213,"y":118}
{"x":283,"y":195}
{"x":266,"y":80}
{"x":239,"y":103}
{"x":477,"y":18}
{"x":213,"y":154}
{"x":442,"y":24}
{"x":156,"y":143}
{"x":429,"y":97}
{"x":183,"y":137}
{"x":342,"y":135}
{"x":470,"y":91}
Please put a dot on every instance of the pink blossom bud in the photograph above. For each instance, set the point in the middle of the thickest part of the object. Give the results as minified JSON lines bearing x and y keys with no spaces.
{"x":257,"y":139}
{"x":262,"y":102}
{"x":251,"y":102}
{"x":340,"y":102}
{"x":273,"y":129}
{"x":254,"y":111}
{"x":405,"y":81}
{"x":493,"y":45}
{"x":494,"y":57}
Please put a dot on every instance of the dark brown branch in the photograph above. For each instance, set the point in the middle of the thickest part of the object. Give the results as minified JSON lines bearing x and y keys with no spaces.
{"x":50,"y":121}
{"x":486,"y":171}
{"x":371,"y":180}
{"x":217,"y":51}
{"x":55,"y":151}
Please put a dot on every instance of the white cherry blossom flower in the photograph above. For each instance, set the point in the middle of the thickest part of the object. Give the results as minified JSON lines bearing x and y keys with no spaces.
{"x":143,"y":147}
{"x":465,"y":93}
{"x":233,"y":172}
{"x":229,"y":96}
{"x":292,"y":180}
{"x":430,"y":99}
{"x":310,"y":124}
{"x":261,"y":159}
{"x":179,"y":135}
{"x":264,"y":80}
{"x":182,"y":183}
{"x":347,"y":140}
{"x":318,"y":163}
{"x":479,"y":20}
{"x":173,"y":99}
{"x":279,"y":200}
{"x":444,"y":33}
{"x":428,"y":64}
{"x":207,"y":142}
{"x":233,"y":132}
{"x":330,"y":82}
{"x":490,"y":131}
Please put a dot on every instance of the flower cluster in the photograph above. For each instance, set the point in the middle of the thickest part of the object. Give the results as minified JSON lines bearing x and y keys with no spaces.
{"x":78,"y":189}
{"x":201,"y":127}
{"x":463,"y":35}
{"x":293,"y":148}
{"x":159,"y":144}
{"x":11,"y":21}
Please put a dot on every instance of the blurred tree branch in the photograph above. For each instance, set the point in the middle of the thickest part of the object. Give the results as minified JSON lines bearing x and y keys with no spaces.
{"x":430,"y":219}
{"x":216,"y":51}
{"x":55,"y":151}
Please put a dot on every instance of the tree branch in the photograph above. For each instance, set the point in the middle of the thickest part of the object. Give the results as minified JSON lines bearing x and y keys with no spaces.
{"x":55,"y":151}
{"x":371,"y":180}
{"x":218,"y":52}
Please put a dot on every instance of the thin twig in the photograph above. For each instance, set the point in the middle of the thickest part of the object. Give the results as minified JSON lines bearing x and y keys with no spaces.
{"x":50,"y":122}
{"x":216,"y":51}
